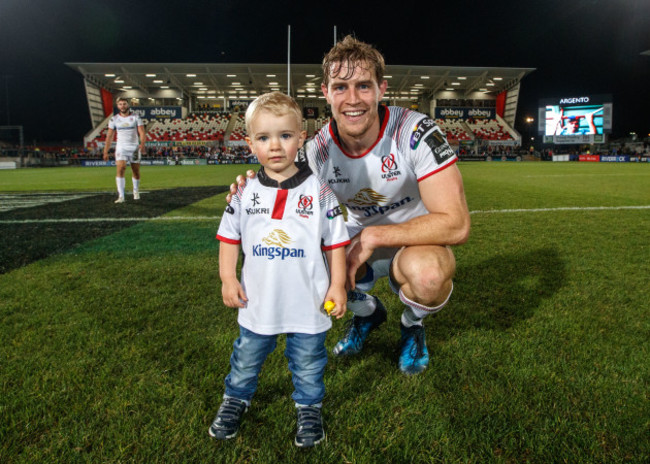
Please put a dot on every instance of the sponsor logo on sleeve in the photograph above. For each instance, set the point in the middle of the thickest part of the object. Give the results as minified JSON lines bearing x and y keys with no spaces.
{"x":439,"y":147}
{"x":332,"y":213}
{"x":422,"y":127}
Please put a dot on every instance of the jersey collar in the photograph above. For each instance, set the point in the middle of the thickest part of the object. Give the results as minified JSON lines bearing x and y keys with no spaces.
{"x":292,"y":182}
{"x":383,"y":120}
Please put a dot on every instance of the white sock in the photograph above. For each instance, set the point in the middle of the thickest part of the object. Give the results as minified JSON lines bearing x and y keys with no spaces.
{"x":120,"y":186}
{"x":409,"y":319}
{"x":415,"y":312}
{"x":136,"y":185}
{"x":361,"y":304}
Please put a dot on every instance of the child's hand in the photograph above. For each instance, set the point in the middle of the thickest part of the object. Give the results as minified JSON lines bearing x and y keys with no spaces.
{"x":233,"y":294}
{"x":339,"y":298}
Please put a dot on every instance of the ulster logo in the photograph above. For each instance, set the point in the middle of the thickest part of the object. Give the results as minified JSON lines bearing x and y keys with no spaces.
{"x":389,"y":168}
{"x":305,"y":202}
{"x":305,"y":206}
{"x":388,"y":163}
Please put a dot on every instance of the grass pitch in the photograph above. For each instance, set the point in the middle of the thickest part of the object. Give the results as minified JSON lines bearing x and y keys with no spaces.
{"x":114,"y":341}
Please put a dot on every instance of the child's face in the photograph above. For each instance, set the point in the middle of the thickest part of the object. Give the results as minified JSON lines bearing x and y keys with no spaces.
{"x":275,"y":140}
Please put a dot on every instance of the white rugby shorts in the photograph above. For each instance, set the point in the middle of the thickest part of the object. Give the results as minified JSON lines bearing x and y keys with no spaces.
{"x":128,"y":153}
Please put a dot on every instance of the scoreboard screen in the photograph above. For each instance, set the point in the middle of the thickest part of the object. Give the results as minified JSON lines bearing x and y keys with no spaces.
{"x":575,"y":119}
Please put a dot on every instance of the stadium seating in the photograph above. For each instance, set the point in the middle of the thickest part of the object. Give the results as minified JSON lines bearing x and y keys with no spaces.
{"x":455,"y":130}
{"x":239,"y":131}
{"x":488,"y":129}
{"x":196,"y":127}
{"x":210,"y":127}
{"x":320,"y":122}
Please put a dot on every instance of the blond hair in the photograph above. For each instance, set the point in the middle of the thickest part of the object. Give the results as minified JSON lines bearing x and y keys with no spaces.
{"x":349,"y":54}
{"x":277,"y":103}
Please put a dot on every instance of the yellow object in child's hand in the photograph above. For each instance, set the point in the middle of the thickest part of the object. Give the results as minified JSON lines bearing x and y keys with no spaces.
{"x":329,"y":306}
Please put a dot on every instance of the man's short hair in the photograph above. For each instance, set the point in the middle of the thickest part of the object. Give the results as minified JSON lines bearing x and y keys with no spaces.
{"x":119,"y":99}
{"x":347,"y":55}
{"x":277,"y":103}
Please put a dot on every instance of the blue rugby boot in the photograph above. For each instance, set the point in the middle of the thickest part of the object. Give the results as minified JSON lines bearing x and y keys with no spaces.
{"x":358,"y":329}
{"x":414,"y":356}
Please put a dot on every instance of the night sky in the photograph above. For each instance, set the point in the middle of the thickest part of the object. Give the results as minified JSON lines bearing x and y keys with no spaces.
{"x":579,"y":47}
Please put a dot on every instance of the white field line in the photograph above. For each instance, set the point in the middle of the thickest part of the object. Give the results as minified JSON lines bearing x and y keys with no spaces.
{"x":562,"y":208}
{"x":216,"y":218}
{"x":105,"y":219}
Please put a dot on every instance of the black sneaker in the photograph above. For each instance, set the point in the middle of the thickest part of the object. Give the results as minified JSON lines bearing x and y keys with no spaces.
{"x":226,"y":424}
{"x":310,"y":427}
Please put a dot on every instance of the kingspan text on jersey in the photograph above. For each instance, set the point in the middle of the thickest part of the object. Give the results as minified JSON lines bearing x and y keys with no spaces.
{"x":369,"y":211}
{"x":278,"y":252}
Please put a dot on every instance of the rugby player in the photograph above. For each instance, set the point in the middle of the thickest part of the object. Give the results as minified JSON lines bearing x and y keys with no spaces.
{"x":129,"y":128}
{"x":395,"y":173}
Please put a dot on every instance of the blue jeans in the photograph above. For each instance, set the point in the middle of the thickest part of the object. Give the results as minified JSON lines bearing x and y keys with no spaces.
{"x":307,"y":359}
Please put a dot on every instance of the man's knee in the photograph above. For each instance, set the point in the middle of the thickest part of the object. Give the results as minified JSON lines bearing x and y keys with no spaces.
{"x":425,"y":273}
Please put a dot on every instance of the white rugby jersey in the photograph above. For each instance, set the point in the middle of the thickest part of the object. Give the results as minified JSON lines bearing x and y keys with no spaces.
{"x":283,"y":230}
{"x":126,"y":128}
{"x":381,"y":185}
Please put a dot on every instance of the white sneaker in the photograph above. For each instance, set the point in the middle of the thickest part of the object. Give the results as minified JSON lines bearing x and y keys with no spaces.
{"x":119,"y":200}
{"x":136,"y":195}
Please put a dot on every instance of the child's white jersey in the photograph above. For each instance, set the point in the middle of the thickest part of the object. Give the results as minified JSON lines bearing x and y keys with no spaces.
{"x":283,"y":231}
{"x":381,"y":185}
{"x":126,"y":129}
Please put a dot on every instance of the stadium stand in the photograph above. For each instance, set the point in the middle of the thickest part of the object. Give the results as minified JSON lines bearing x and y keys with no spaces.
{"x":238,"y":132}
{"x":196,"y":127}
{"x":488,"y":129}
{"x":455,"y":130}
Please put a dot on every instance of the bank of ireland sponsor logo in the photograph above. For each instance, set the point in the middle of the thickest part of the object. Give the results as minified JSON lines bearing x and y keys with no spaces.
{"x":389,"y":168}
{"x":422,"y":127}
{"x":305,"y":206}
{"x":276,"y":245}
{"x":371,"y":203}
{"x":338,"y":179}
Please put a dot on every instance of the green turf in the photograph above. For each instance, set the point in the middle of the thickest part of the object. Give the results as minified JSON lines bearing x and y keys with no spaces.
{"x":114,"y":349}
{"x":103,"y":178}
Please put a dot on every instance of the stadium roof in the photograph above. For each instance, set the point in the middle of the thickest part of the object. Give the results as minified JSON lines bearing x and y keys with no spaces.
{"x":240,"y":80}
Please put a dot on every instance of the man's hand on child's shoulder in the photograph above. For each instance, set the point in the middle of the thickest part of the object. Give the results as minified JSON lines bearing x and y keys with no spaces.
{"x":240,"y":181}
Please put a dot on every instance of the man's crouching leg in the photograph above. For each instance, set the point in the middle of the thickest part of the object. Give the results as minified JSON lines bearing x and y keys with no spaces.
{"x":369,"y":312}
{"x":422,"y":276}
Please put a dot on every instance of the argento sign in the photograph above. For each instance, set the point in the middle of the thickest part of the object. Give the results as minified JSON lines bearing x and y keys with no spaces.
{"x":574,"y":100}
{"x":569,"y":100}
